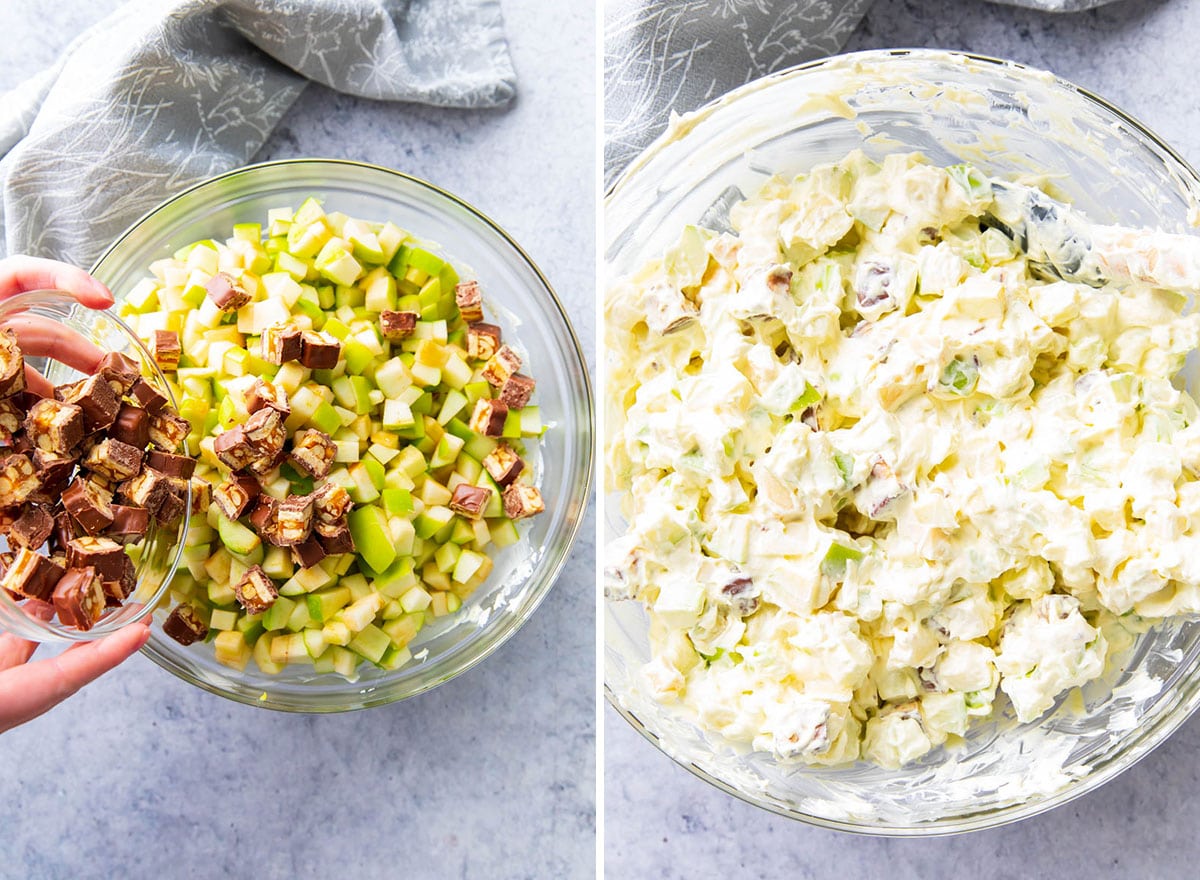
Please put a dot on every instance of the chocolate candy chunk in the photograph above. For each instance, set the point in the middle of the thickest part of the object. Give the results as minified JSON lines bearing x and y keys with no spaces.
{"x":397,"y":325}
{"x":117,"y":591}
{"x":33,"y":528}
{"x":12,"y":365}
{"x":170,"y":510}
{"x":21,"y":441}
{"x":262,"y":517}
{"x":469,"y":500}
{"x":95,"y":397}
{"x":521,"y":501}
{"x":147,"y":396}
{"x":515,"y":392}
{"x":293,"y":520}
{"x":88,"y":506}
{"x":129,"y":524}
{"x":170,"y":464}
{"x":469,"y":299}
{"x":337,"y":540}
{"x":64,"y":530}
{"x":120,"y":371}
{"x":265,"y":432}
{"x":225,"y":292}
{"x":165,"y":348}
{"x":501,"y":365}
{"x":281,"y":344}
{"x":309,"y":553}
{"x":318,"y":352}
{"x":31,"y":575}
{"x":233,"y":497}
{"x":265,"y":394}
{"x":503,"y":464}
{"x":312,"y":452}
{"x":8,"y":518}
{"x":114,"y":460}
{"x":168,"y":431}
{"x":103,"y":554}
{"x":233,"y":449}
{"x":488,"y":417}
{"x":79,"y":598}
{"x":132,"y":426}
{"x":11,"y":419}
{"x":483,"y":340}
{"x":256,"y":591}
{"x":201,"y":495}
{"x":54,"y":472}
{"x":185,"y":625}
{"x":18,"y":480}
{"x":149,"y":489}
{"x":331,"y":503}
{"x":54,"y":426}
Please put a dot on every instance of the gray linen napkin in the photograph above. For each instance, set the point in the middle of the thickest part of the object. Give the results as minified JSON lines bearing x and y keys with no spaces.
{"x":164,"y":93}
{"x":676,"y":55}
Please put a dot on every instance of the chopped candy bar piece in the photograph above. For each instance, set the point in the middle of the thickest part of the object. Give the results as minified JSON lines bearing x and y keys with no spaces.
{"x":79,"y":598}
{"x":147,"y":396}
{"x":263,"y":467}
{"x":266,"y":433}
{"x":168,"y":431}
{"x":503,"y":465}
{"x":12,"y":364}
{"x":103,"y":554}
{"x":171,"y":509}
{"x":131,"y":426}
{"x":201,"y":495}
{"x":149,"y":489}
{"x":21,"y":442}
{"x":255,"y":592}
{"x":117,"y":591}
{"x":516,"y":391}
{"x":312,"y":452}
{"x":170,"y":464}
{"x":262,"y":517}
{"x":120,"y":371}
{"x":86,"y":503}
{"x":64,"y":530}
{"x":185,"y":625}
{"x":234,"y":449}
{"x":309,"y":553}
{"x":331,"y":503}
{"x":521,"y":501}
{"x":113,"y":459}
{"x":293,"y":520}
{"x":281,"y":344}
{"x":95,"y":397}
{"x":318,"y":352}
{"x":469,"y":299}
{"x":11,"y":419}
{"x":165,"y":348}
{"x":129,"y":524}
{"x":54,"y":426}
{"x":267,"y":394}
{"x":502,"y":364}
{"x":469,"y":500}
{"x":31,"y":575}
{"x":488,"y":417}
{"x":397,"y":325}
{"x":54,"y":474}
{"x":233,"y":497}
{"x":483,"y":340}
{"x":226,"y":293}
{"x":18,"y":480}
{"x":335,"y":539}
{"x":33,"y":528}
{"x":8,"y":518}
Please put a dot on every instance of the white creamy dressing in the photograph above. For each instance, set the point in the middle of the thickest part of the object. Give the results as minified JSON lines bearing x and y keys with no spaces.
{"x":879,"y":462}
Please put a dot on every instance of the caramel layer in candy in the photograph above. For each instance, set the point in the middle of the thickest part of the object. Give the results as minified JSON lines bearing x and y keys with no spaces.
{"x":233,"y":449}
{"x":397,"y":325}
{"x":469,"y":500}
{"x":18,"y":479}
{"x":515,"y":392}
{"x":501,"y":365}
{"x":293,"y":520}
{"x":120,"y":371}
{"x":469,"y":299}
{"x":318,"y":352}
{"x":483,"y":341}
{"x":87,"y":505}
{"x":147,"y":396}
{"x":281,"y":344}
{"x":268,"y":394}
{"x":522,"y":501}
{"x":103,"y":554}
{"x":129,"y":524}
{"x":488,"y":417}
{"x":331,"y":503}
{"x":117,"y":591}
{"x":168,"y":430}
{"x":503,"y":464}
{"x":256,"y":591}
{"x":309,"y":553}
{"x":79,"y":598}
{"x":226,"y":293}
{"x":31,"y":575}
{"x":172,"y":465}
{"x":338,"y":540}
{"x":132,"y":426}
{"x":312,"y":452}
{"x":54,"y":426}
{"x":95,"y":397}
{"x":184,"y":625}
{"x":113,"y":459}
{"x":234,"y":496}
{"x":33,"y":528}
{"x":12,"y":364}
{"x":265,"y":432}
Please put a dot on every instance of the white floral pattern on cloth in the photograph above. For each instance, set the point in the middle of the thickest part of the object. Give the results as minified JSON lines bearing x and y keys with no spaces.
{"x":676,"y":55}
{"x":164,"y":93}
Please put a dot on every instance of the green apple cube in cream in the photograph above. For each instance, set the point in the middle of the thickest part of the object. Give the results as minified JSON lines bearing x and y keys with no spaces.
{"x":903,"y":441}
{"x":361,"y":433}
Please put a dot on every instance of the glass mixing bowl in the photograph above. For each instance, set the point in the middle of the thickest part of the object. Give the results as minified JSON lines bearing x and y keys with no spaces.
{"x":1008,"y":120}
{"x":530,"y":314}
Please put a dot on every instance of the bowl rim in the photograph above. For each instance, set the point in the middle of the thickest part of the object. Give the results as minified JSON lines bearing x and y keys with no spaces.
{"x":571,"y":534}
{"x":1138,"y":745}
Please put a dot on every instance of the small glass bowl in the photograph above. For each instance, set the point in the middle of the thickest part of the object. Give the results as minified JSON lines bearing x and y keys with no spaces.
{"x":1010,"y":121}
{"x":162,"y":547}
{"x":516,"y":292}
